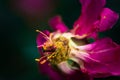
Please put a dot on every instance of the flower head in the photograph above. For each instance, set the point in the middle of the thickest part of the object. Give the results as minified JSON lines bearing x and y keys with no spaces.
{"x":69,"y":54}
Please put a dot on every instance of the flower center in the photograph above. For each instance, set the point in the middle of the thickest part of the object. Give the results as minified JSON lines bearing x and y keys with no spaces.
{"x":61,"y":51}
{"x":56,"y":52}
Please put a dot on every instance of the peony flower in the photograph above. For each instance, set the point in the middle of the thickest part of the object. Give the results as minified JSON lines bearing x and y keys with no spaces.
{"x":68,"y":54}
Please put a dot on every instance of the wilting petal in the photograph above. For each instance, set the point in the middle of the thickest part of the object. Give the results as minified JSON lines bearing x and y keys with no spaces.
{"x":91,"y":10}
{"x":103,"y":58}
{"x":57,"y":24}
{"x":107,"y":20}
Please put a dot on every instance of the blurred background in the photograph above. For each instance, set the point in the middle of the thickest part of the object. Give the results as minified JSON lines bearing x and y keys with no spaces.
{"x":18,"y":21}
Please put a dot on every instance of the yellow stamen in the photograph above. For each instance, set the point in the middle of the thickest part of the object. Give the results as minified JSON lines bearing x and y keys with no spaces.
{"x":37,"y":31}
{"x":42,"y":62}
{"x":45,"y":36}
{"x":44,"y":47}
{"x":37,"y":60}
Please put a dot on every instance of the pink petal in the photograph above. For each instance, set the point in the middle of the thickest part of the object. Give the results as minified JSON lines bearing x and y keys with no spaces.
{"x":57,"y":24}
{"x":49,"y":71}
{"x":107,"y":20}
{"x":79,"y":76}
{"x":91,"y":10}
{"x":56,"y":75}
{"x":103,"y":59}
{"x":94,"y":35}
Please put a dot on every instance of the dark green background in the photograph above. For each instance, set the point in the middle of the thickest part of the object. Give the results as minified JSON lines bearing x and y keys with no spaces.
{"x":18,"y":39}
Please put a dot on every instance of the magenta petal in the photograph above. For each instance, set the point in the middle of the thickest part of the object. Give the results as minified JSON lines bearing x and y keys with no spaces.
{"x":49,"y":71}
{"x":56,"y":75}
{"x":94,"y":36}
{"x":57,"y":24}
{"x":108,"y":19}
{"x":103,"y":59}
{"x":79,"y":76}
{"x":91,"y":10}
